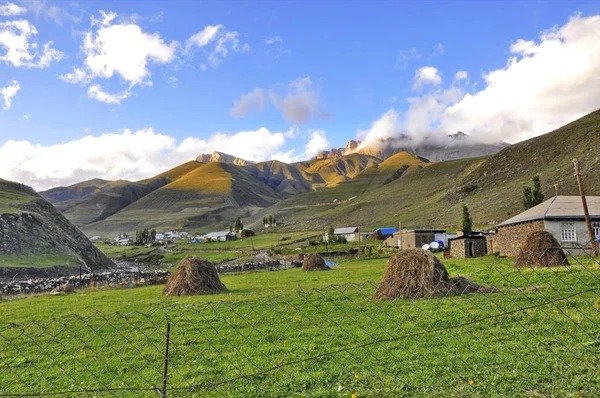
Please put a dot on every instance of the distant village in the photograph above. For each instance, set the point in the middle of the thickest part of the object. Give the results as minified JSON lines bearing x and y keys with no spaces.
{"x":561,"y":216}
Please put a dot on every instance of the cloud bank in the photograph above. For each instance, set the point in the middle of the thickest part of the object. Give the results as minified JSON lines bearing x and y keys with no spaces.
{"x":131,"y":155}
{"x":544,"y":85}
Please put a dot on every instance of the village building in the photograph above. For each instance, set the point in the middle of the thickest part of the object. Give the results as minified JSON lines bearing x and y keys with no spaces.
{"x":466,"y":246}
{"x":220,"y":236}
{"x":351,"y":234}
{"x":382,"y":233}
{"x":412,"y":238}
{"x":562,"y":216}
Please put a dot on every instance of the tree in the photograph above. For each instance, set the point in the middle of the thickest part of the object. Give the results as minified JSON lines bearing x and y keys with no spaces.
{"x":533,"y":196}
{"x":331,"y":234}
{"x":537,"y":195}
{"x":527,"y":198}
{"x":238,"y":225}
{"x":153,"y":235}
{"x":467,"y":221}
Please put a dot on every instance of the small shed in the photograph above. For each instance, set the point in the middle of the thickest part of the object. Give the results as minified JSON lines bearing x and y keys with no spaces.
{"x":468,"y":246}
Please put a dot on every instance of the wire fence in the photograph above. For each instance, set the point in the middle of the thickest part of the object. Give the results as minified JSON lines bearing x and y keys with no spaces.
{"x":538,"y":334}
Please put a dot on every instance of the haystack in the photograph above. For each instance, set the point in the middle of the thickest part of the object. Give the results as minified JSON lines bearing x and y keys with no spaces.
{"x":416,"y":273}
{"x":314,"y":262}
{"x":541,"y":249}
{"x":193,"y":275}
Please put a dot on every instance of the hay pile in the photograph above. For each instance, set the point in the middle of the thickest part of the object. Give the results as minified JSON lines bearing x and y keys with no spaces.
{"x":416,"y":273}
{"x":541,"y":249}
{"x":314,"y":262}
{"x":194,"y":275}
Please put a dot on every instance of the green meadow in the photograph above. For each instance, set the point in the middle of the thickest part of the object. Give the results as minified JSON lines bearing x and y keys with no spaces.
{"x":290,"y":333}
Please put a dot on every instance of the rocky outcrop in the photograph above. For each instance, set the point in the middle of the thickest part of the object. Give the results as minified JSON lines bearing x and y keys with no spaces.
{"x":456,"y":146}
{"x":31,"y":226}
{"x":220,"y":157}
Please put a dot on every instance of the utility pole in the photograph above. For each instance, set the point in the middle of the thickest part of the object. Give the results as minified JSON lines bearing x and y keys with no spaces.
{"x":586,"y":213}
{"x":325,"y":239}
{"x":358,"y":228}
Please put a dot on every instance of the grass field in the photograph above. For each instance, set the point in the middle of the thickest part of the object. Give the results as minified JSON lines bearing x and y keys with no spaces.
{"x":38,"y":261}
{"x":538,"y":337}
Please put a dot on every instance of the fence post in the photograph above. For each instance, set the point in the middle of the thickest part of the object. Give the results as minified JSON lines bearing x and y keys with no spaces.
{"x":166,"y":362}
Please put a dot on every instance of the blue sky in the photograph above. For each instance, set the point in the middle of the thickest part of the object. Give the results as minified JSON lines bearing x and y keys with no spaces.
{"x":326,"y":72}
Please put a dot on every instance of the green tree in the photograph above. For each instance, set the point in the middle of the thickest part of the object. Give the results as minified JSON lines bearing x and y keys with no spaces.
{"x":152,"y":235}
{"x":467,"y":221}
{"x":331,"y":233}
{"x":533,"y":196}
{"x":238,"y":225}
{"x":527,"y":198}
{"x":537,"y":195}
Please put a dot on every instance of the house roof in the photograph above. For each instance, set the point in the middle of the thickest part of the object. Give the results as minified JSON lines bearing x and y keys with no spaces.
{"x":559,"y":207}
{"x":217,"y":234}
{"x":428,"y":230}
{"x":345,"y":230}
{"x":387,"y":231}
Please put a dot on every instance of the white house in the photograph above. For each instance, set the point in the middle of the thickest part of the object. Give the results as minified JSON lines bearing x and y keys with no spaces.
{"x":350,"y":233}
{"x":159,"y":237}
{"x":220,"y":236}
{"x":562,"y":216}
{"x":95,"y":238}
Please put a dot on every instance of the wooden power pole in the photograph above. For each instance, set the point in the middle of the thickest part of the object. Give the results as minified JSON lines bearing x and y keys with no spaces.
{"x":586,"y":212}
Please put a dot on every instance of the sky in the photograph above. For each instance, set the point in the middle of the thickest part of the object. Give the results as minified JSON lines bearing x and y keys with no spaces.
{"x":128,"y":89}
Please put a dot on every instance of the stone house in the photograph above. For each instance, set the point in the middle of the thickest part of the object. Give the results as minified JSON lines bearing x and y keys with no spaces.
{"x":562,"y":216}
{"x":412,"y":238}
{"x":467,"y":246}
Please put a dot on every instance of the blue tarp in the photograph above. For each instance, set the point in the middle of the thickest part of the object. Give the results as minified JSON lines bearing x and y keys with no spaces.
{"x":330,"y":263}
{"x":387,"y":231}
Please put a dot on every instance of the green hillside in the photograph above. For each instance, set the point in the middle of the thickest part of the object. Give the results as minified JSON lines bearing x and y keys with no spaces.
{"x":351,"y":190}
{"x":211,"y":195}
{"x":33,"y":234}
{"x":80,"y":190}
{"x":431,"y":194}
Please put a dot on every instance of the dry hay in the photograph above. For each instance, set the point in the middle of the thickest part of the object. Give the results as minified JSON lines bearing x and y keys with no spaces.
{"x":541,"y":249}
{"x":194,"y":275}
{"x":314,"y":262}
{"x":416,"y":273}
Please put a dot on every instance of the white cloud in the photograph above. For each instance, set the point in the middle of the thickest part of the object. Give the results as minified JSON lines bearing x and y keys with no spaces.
{"x":426,"y":75}
{"x":227,"y":42}
{"x":11,"y":10}
{"x":173,"y":81}
{"x":202,"y":38}
{"x":119,"y":48}
{"x":254,"y":101}
{"x":49,"y":11}
{"x":318,"y":142}
{"x":439,"y":49}
{"x":545,"y":84}
{"x":273,"y":40}
{"x":250,"y":145}
{"x":298,"y":102}
{"x":27,"y":116}
{"x":96,"y":92}
{"x":461,"y":75}
{"x":7,"y":93}
{"x":124,"y":155}
{"x":17,"y":39}
{"x":387,"y":126}
{"x":224,"y":43}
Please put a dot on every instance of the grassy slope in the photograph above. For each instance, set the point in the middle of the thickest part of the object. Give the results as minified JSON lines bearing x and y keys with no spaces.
{"x":432,"y":196}
{"x":212,"y":194}
{"x":264,"y":320}
{"x":80,"y":190}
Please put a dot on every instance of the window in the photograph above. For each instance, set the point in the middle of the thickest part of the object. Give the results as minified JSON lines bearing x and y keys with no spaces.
{"x":596,"y":229}
{"x":424,"y":240}
{"x":567,"y":232}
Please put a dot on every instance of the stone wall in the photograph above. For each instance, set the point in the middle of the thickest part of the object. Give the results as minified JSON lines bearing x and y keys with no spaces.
{"x":458,"y":247}
{"x":509,"y":239}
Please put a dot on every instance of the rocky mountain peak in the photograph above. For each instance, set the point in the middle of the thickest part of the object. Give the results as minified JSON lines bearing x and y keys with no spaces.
{"x":220,"y":157}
